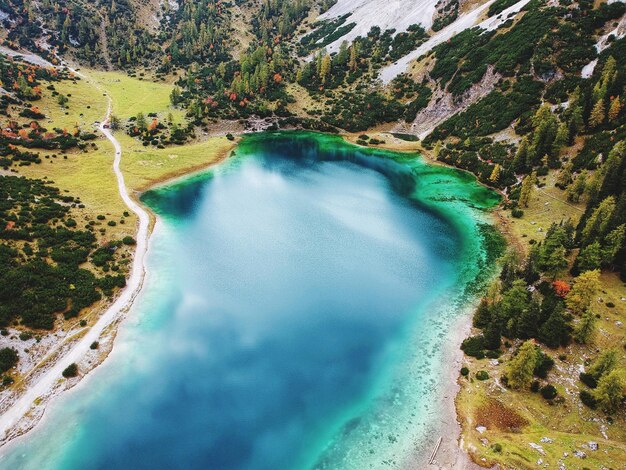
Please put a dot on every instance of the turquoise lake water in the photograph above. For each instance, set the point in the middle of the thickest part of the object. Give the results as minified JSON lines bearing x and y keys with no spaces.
{"x":296,"y":307}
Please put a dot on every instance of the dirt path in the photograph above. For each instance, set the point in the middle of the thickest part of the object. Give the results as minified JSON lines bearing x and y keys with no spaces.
{"x":30,"y":399}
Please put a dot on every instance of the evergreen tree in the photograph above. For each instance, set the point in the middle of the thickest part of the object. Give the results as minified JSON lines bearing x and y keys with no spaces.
{"x":495,"y":174}
{"x":597,"y":223}
{"x":614,"y":109}
{"x":529,"y":321}
{"x":140,"y":121}
{"x":325,"y":68}
{"x":521,"y":367}
{"x":610,"y":391}
{"x":604,"y":364}
{"x":565,"y":176}
{"x":528,"y":184}
{"x":583,"y":292}
{"x":589,"y":258}
{"x":612,"y":244}
{"x":585,"y":328}
{"x":521,"y":161}
{"x":556,"y":262}
{"x":577,"y":187}
{"x":555,"y":331}
{"x":597,"y":114}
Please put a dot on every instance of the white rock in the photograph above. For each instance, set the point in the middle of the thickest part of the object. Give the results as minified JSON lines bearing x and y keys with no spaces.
{"x":537,"y":447}
{"x":580,"y":454}
{"x":481,"y":429}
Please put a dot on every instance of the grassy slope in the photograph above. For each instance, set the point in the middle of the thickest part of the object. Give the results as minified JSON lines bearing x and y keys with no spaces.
{"x":570,"y":424}
{"x":132,"y":95}
{"x":144,"y":166}
{"x":88,"y":175}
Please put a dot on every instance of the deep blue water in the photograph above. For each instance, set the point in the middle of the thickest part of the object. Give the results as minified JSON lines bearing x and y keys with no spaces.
{"x":282,"y":293}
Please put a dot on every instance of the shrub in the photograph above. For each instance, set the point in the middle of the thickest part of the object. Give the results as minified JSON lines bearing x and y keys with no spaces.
{"x":497,"y":447}
{"x":8,"y":359}
{"x":100,"y":217}
{"x":588,"y":399}
{"x":482,"y":375}
{"x":128,"y":240}
{"x":229,"y":136}
{"x":70,"y":371}
{"x":517,"y":213}
{"x":474,"y":346}
{"x":544,"y":364}
{"x":548,"y":392}
{"x":94,"y":345}
{"x":464,"y":371}
{"x":588,"y":380}
{"x":534,"y":387}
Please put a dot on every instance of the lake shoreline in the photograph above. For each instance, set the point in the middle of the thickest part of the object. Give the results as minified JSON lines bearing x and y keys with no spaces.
{"x":450,"y":454}
{"x":36,"y":412}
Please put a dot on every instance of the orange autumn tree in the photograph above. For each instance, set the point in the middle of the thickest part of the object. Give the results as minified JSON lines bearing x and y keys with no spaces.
{"x":561,"y":288}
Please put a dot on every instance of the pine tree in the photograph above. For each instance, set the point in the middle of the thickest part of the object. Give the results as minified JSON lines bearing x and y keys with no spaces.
{"x":597,"y":223}
{"x":603,"y":364}
{"x":577,"y":187}
{"x":528,"y":184}
{"x":585,"y":329}
{"x":352,"y":63}
{"x":614,"y":109}
{"x":597,"y":114}
{"x":556,"y":262}
{"x":565,"y":176}
{"x":437,"y":149}
{"x":612,"y":244}
{"x":561,"y":140}
{"x":495,"y":174}
{"x":520,"y":162}
{"x":140,"y":121}
{"x":555,"y":331}
{"x":610,"y":391}
{"x":521,"y":367}
{"x":590,"y":257}
{"x":585,"y":288}
{"x":325,"y":68}
{"x":576,"y":121}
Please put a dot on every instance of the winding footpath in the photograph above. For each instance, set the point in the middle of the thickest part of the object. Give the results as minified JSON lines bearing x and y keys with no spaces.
{"x":44,"y":384}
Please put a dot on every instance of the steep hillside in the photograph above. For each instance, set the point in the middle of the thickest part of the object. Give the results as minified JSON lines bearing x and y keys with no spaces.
{"x":384,"y":14}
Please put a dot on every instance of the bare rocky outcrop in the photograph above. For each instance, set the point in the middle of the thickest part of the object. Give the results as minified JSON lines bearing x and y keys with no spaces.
{"x":443,"y":105}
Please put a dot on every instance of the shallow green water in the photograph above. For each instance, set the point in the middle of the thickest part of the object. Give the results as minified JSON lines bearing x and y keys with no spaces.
{"x":295,"y":314}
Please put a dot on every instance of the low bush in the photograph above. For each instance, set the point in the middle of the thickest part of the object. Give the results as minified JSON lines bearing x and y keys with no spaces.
{"x":548,"y":392}
{"x":70,"y":371}
{"x":482,"y":375}
{"x":588,"y":399}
